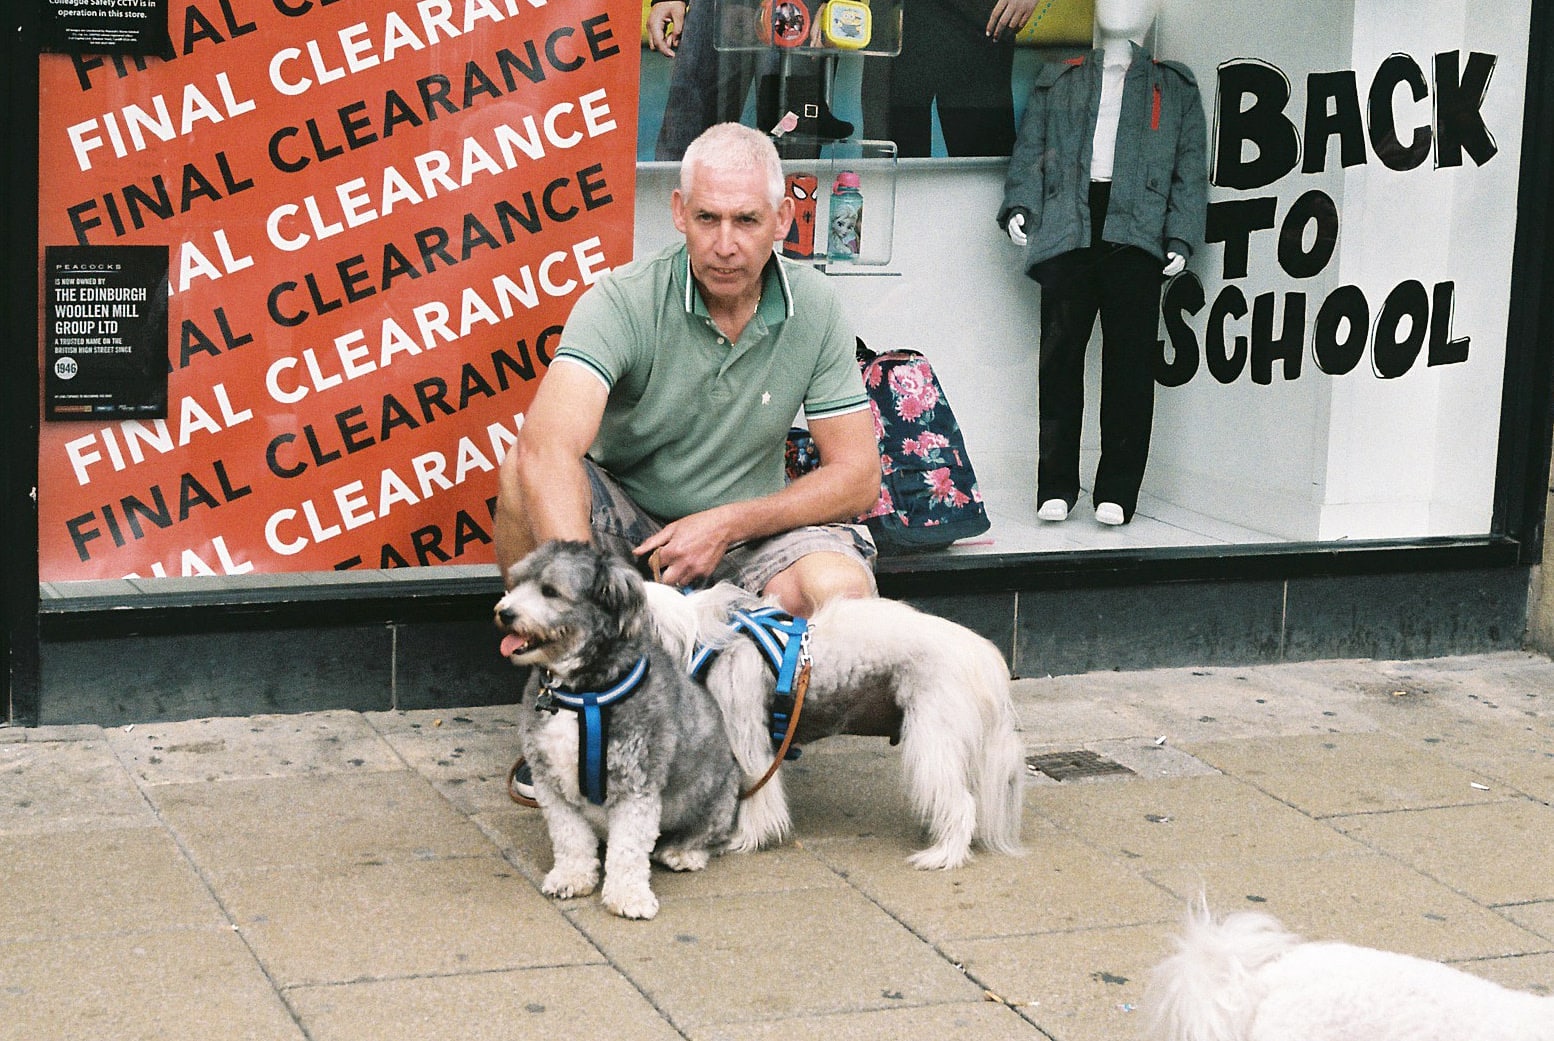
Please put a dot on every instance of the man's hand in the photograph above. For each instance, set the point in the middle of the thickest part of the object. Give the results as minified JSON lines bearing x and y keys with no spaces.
{"x":1009,"y":16}
{"x":1175,"y":262}
{"x":846,"y":483}
{"x":666,"y":24}
{"x":687,"y":550}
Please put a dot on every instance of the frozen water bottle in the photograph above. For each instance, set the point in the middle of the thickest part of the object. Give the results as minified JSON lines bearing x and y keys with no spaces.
{"x":846,"y":217}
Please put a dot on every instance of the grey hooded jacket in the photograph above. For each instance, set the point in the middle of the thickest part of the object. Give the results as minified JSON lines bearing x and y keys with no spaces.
{"x":1159,"y":193}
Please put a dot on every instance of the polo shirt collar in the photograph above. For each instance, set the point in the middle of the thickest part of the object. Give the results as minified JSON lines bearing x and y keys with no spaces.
{"x":776,"y":295}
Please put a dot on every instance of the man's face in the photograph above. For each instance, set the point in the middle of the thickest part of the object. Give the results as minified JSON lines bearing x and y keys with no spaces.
{"x":730,"y":226}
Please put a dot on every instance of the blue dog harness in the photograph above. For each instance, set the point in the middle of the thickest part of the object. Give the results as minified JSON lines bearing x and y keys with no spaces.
{"x":593,"y":724}
{"x":784,"y":643}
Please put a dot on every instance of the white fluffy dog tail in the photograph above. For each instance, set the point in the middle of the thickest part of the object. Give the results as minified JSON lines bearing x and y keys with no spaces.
{"x":1207,"y":990}
{"x":961,"y":755}
{"x":999,"y":777}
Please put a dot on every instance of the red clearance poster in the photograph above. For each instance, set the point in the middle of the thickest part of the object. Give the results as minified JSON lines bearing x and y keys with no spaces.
{"x":378,"y":214}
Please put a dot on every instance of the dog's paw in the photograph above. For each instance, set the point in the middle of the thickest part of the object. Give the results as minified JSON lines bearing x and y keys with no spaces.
{"x":629,"y":902}
{"x":683,"y":859}
{"x":568,"y":884}
{"x":940,"y":858}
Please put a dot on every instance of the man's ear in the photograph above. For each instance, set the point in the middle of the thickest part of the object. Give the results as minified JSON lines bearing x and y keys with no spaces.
{"x":784,"y":217}
{"x":677,"y":209}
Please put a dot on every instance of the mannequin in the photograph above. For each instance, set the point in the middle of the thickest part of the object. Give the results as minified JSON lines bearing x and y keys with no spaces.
{"x":1106,"y":195}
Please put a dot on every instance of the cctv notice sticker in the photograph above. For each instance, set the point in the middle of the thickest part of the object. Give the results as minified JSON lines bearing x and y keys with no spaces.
{"x":105,"y":332}
{"x":105,"y":26}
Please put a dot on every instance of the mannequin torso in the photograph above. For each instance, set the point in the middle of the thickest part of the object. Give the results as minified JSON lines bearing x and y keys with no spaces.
{"x":1119,"y":24}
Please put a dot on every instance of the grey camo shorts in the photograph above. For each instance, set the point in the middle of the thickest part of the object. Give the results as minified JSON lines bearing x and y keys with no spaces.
{"x":619,"y":524}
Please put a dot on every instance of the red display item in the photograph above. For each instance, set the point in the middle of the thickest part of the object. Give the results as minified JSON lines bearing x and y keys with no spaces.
{"x":800,"y":241}
{"x":785,"y":22}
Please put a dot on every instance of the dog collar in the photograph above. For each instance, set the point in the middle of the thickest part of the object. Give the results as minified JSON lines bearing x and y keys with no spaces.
{"x":784,"y":643}
{"x":592,"y":724}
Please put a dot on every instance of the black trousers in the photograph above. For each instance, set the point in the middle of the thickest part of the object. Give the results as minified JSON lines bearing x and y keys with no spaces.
{"x":946,"y":59}
{"x":1121,"y":284}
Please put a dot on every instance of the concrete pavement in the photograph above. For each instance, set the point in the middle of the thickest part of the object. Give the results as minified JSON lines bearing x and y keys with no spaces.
{"x":340,"y":876}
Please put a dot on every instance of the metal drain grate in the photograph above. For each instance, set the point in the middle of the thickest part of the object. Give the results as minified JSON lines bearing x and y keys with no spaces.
{"x":1060,"y":766}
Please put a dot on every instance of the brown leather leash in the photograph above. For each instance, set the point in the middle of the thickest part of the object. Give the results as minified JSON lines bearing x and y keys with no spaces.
{"x":800,"y":687}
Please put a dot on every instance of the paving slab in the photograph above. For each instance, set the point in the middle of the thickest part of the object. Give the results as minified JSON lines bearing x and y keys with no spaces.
{"x":1062,"y":883}
{"x":1517,"y":753}
{"x":465,"y":754}
{"x":962,"y":1021}
{"x":63,"y":786}
{"x":1530,"y":972}
{"x":1495,"y":853}
{"x":140,"y":986}
{"x":519,"y":834}
{"x":778,"y":869}
{"x":238,"y":748}
{"x":571,"y":1003}
{"x":845,"y":788}
{"x":1082,"y":985}
{"x":1536,"y":917}
{"x":315,"y":820}
{"x":1405,"y":702}
{"x":51,"y":733}
{"x":1049,"y":715}
{"x":776,"y":955}
{"x":119,"y":879}
{"x":1515,"y":681}
{"x":1145,"y":758}
{"x":383,"y":920}
{"x":1186,"y":820}
{"x":1198,"y":704}
{"x":1330,"y":774}
{"x":1367,"y":899}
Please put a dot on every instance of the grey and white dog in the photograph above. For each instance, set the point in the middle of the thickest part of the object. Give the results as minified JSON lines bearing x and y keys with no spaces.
{"x":879,"y":667}
{"x":642,"y":761}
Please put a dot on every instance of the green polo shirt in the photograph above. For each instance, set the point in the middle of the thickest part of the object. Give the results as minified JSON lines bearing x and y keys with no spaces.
{"x":692,"y":420}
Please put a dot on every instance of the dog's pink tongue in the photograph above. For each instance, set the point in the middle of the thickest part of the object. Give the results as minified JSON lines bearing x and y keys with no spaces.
{"x":512,"y":643}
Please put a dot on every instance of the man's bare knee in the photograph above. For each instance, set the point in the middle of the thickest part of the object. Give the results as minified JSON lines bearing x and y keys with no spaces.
{"x":815,"y":579}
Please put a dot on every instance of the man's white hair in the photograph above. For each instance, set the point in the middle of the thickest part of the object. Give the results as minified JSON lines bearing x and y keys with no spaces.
{"x":734,"y":147}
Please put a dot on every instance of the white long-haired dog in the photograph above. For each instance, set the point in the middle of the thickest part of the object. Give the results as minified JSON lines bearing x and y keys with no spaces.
{"x":1246,"y":979}
{"x":880,"y":667}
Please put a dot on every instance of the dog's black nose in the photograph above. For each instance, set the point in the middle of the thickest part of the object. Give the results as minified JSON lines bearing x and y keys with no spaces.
{"x":506,"y":616}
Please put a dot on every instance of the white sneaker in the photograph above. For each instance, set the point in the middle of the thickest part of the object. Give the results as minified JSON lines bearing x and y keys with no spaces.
{"x":1053,"y":510}
{"x":1108,"y":513}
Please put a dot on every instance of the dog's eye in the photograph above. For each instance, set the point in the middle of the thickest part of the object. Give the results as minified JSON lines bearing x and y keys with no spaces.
{"x":548,"y":591}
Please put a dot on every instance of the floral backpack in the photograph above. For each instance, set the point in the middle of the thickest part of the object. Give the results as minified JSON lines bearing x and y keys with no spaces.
{"x":928,"y":495}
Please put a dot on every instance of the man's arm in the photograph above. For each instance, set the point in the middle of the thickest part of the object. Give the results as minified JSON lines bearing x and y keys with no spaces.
{"x":846,"y":483}
{"x":543,"y":492}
